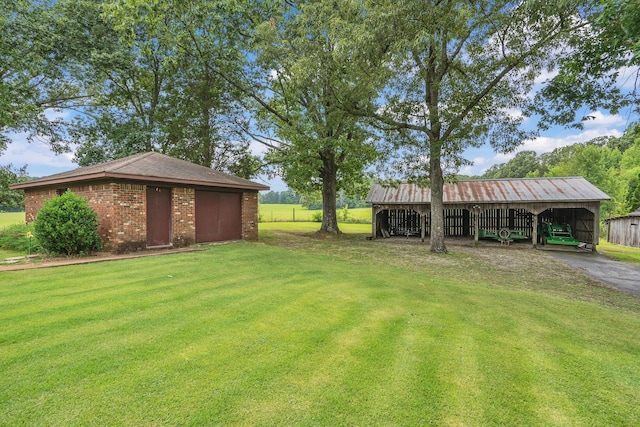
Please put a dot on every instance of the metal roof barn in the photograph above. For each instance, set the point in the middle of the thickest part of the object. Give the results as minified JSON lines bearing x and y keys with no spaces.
{"x":474,"y":206}
{"x":495,"y":190}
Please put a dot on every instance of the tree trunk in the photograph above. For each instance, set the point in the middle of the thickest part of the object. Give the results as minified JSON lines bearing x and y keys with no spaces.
{"x":329,"y":186}
{"x":437,"y":202}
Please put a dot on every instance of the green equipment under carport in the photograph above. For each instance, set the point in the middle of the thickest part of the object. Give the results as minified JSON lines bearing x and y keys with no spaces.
{"x":557,"y":234}
{"x":502,"y":235}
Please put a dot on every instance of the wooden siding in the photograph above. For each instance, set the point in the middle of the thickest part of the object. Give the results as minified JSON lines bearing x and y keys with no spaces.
{"x":625,"y":231}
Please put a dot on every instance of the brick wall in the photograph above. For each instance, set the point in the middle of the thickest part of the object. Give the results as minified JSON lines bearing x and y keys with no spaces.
{"x":122,"y":214}
{"x":250,"y":215}
{"x":129,"y":224}
{"x":33,"y":201}
{"x":100,"y":198}
{"x":183,"y":216}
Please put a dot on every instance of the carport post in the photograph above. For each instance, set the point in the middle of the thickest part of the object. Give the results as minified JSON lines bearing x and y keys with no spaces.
{"x":476,"y":224}
{"x":423,"y":225}
{"x":373,"y":222}
{"x":596,"y":229}
{"x":534,"y":232}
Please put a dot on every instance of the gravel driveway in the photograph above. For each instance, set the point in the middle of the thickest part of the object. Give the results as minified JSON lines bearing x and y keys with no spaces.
{"x":622,"y":276}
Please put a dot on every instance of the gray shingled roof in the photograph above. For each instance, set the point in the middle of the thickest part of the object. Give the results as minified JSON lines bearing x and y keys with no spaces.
{"x":493,"y":191}
{"x":149,"y":166}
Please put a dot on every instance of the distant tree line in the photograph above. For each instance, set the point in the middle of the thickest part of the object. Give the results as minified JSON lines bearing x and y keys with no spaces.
{"x":313,"y":201}
{"x":611,"y":164}
{"x":287,"y":197}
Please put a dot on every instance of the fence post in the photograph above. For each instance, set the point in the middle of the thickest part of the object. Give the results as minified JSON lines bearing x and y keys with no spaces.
{"x":294,"y":214}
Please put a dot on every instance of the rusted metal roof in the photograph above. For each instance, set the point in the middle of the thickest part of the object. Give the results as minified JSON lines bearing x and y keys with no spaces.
{"x":569,"y":189}
{"x":633,"y":214}
{"x":148,"y":166}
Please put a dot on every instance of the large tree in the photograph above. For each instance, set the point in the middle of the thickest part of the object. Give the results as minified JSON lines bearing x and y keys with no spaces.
{"x":121,"y":87}
{"x":156,"y":97}
{"x":39,"y":70}
{"x":316,"y":145}
{"x":460,"y":74}
{"x":601,"y":70}
{"x":283,"y":61}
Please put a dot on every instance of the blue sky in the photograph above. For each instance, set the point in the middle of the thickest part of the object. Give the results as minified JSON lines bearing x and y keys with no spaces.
{"x":42,"y":161}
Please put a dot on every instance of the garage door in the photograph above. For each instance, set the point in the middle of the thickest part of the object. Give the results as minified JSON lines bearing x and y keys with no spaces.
{"x":218,"y":216}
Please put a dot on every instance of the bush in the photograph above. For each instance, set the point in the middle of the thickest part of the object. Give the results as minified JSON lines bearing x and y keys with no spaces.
{"x":316,"y":216}
{"x":67,"y":225}
{"x":344,"y":213}
{"x":19,"y":237}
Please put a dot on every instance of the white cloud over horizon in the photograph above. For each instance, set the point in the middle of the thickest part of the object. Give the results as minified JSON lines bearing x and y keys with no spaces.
{"x":600,"y":125}
{"x":37,"y":155}
{"x":42,"y":161}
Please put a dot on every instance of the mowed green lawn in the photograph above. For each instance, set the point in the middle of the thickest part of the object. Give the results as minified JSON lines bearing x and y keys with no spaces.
{"x":278,"y":213}
{"x":305,"y":329}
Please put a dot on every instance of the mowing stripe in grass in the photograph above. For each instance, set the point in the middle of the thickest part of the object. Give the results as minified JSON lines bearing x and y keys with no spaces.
{"x":254,"y":334}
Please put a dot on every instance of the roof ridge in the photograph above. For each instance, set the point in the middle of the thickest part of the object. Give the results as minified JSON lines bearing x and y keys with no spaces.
{"x":130,"y":160}
{"x":513,"y":179}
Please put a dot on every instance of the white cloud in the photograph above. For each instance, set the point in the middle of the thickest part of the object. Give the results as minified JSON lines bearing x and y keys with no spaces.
{"x":546,"y":144}
{"x":37,"y":155}
{"x":601,"y":125}
{"x":545,"y":75}
{"x":479,"y":161}
{"x":600,"y":119}
{"x":257,"y":148}
{"x":628,"y":79}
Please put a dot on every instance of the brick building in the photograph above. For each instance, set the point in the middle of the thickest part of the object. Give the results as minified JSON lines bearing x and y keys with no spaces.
{"x":152,"y":200}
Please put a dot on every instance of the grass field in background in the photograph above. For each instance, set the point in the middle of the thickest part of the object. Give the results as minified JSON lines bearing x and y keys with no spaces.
{"x":11,"y":218}
{"x":308,"y":329}
{"x":278,"y":212}
{"x":309,"y":227}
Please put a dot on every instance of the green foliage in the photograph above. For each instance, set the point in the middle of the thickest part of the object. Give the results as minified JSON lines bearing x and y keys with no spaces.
{"x":344,"y":213}
{"x":11,"y":199}
{"x":611,"y":164}
{"x":454,"y":72}
{"x":524,"y":163}
{"x":316,"y":216}
{"x":287,"y":197}
{"x":19,"y":237}
{"x":318,"y":147}
{"x":67,"y":225}
{"x":43,"y":63}
{"x":603,"y":54}
{"x":155,"y":96}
